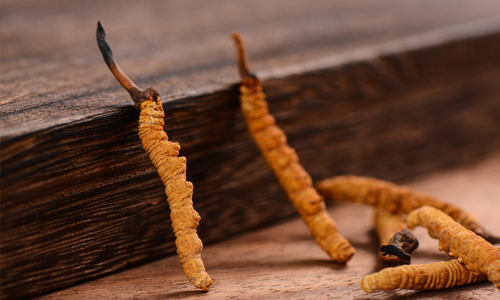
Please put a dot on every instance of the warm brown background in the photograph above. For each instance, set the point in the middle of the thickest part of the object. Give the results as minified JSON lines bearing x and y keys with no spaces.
{"x":387,"y":88}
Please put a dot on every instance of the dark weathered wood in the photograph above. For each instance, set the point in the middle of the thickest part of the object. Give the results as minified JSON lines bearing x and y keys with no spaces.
{"x":284,"y":262}
{"x":80,"y":198}
{"x":53,"y":73}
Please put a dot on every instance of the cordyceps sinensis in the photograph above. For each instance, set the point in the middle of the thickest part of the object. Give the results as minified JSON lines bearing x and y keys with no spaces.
{"x":473,"y":251}
{"x":171,"y":168}
{"x":396,"y":241}
{"x":433,"y":276}
{"x":283,"y":160}
{"x":393,"y":198}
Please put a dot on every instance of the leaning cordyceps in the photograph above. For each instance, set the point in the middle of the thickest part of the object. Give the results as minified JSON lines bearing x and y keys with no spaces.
{"x":473,"y":251}
{"x":434,"y":276}
{"x":396,"y":241}
{"x":284,"y":161}
{"x":171,"y":168}
{"x":393,"y":198}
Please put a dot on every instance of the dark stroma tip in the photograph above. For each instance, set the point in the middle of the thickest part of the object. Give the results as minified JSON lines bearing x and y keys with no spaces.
{"x":106,"y":51}
{"x":395,"y":250}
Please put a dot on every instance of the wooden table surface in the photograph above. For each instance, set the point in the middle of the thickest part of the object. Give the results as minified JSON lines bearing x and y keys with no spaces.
{"x":391,"y":89}
{"x":283,"y":261}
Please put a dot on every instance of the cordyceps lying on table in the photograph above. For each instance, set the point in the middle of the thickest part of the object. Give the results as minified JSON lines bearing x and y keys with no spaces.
{"x":473,"y":251}
{"x":477,"y":261}
{"x":171,"y":168}
{"x":395,"y":199}
{"x":434,"y":276}
{"x":284,"y":161}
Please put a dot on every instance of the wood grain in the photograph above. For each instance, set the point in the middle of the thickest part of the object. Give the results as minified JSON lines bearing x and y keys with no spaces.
{"x":80,"y":198}
{"x":53,"y":73}
{"x":284,"y":262}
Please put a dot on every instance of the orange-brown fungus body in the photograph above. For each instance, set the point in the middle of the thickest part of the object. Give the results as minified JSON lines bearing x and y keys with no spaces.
{"x":284,"y":161}
{"x":386,"y":226}
{"x":473,"y":251}
{"x":388,"y":196}
{"x":434,"y":276}
{"x":172,"y":171}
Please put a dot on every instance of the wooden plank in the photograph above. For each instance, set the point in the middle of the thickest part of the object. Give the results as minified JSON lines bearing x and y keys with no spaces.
{"x":53,"y":74}
{"x":284,"y":262}
{"x":80,"y":197}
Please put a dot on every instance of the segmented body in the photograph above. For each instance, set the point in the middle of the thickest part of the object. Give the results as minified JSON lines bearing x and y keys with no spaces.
{"x":388,"y":196}
{"x":284,"y":161}
{"x":434,"y":276}
{"x":172,"y":171}
{"x":473,"y":251}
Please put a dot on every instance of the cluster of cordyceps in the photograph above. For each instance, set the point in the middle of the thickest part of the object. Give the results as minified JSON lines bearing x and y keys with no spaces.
{"x":459,"y":234}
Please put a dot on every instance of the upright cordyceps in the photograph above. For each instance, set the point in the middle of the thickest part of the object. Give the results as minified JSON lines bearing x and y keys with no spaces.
{"x":284,"y":161}
{"x":473,"y":251}
{"x":171,"y":168}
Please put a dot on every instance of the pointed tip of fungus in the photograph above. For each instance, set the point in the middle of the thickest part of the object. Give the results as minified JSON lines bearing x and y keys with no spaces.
{"x":242,"y":55}
{"x":106,"y":51}
{"x":101,"y":38}
{"x":99,"y":26}
{"x":236,"y":35}
{"x":138,"y":95}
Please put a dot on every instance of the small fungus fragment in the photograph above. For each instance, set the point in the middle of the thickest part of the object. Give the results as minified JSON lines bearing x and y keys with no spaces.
{"x":397,"y":242}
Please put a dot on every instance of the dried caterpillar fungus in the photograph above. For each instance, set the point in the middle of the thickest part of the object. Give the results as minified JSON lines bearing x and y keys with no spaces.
{"x":434,"y":276}
{"x":396,"y":241}
{"x":170,"y":167}
{"x":283,"y":160}
{"x":473,"y":251}
{"x":393,"y":198}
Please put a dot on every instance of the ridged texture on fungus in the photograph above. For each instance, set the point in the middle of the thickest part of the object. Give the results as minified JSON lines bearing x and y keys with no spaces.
{"x":172,"y":171}
{"x":296,"y":182}
{"x":473,"y":251}
{"x":391,"y":197}
{"x":434,"y":276}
